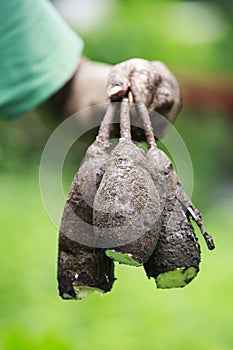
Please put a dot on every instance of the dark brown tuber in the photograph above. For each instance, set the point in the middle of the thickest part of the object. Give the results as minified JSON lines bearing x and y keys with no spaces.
{"x":176,"y":257}
{"x":83,"y":268}
{"x":175,"y":260}
{"x":127,"y":207}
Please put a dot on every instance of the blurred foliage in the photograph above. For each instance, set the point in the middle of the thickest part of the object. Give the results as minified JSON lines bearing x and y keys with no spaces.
{"x":134,"y":316}
{"x":208,"y":138}
{"x":162,"y":30}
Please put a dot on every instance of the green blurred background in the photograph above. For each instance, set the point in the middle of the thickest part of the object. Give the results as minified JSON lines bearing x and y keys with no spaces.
{"x":195,"y":40}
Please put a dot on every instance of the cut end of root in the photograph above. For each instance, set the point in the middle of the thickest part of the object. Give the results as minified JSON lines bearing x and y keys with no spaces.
{"x":122,"y":258}
{"x":177,"y":278}
{"x":82,"y":292}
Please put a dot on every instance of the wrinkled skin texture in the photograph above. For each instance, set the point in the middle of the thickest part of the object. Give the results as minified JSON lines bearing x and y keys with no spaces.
{"x":177,"y":245}
{"x":169,"y":185}
{"x":79,"y":265}
{"x":127,"y":206}
{"x":158,"y":88}
{"x":77,"y":253}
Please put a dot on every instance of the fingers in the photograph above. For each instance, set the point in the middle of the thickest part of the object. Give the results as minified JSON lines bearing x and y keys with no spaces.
{"x":156,"y":85}
{"x":167,"y":99}
{"x":118,"y":82}
{"x":163,"y":99}
{"x":145,"y":79}
{"x":146,"y":82}
{"x":134,"y":71}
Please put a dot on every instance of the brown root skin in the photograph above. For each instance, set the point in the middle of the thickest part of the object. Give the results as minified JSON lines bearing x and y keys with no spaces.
{"x":192,"y":212}
{"x":137,"y":252}
{"x":169,"y":186}
{"x":176,"y":257}
{"x":127,"y":206}
{"x":88,"y":178}
{"x":126,"y":153}
{"x":163,"y":174}
{"x":77,"y":218}
{"x":80,"y":265}
{"x":82,"y":268}
{"x":177,"y":247}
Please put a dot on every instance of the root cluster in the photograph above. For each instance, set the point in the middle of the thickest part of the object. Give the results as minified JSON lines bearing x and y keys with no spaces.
{"x":128,"y":206}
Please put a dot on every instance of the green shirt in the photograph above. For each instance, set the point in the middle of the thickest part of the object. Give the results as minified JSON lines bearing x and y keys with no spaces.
{"x":38,"y":54}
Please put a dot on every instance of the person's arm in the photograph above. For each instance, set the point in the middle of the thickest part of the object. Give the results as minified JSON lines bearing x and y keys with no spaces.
{"x":86,"y":88}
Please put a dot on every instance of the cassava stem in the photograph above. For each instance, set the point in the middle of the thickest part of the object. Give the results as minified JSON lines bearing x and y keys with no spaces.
{"x":148,"y":130}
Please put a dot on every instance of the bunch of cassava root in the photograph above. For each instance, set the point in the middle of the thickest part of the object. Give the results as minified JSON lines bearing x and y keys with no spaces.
{"x":130,"y":207}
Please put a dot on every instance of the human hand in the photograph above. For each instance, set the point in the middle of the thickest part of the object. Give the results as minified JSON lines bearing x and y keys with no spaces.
{"x":157,"y":86}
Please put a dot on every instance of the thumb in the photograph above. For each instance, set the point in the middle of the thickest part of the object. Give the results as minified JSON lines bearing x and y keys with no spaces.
{"x":118,"y":83}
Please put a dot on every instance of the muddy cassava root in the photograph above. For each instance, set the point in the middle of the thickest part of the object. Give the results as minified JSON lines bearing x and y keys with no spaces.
{"x":83,"y":267}
{"x":126,"y":211}
{"x":176,"y":257}
{"x":128,"y":207}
